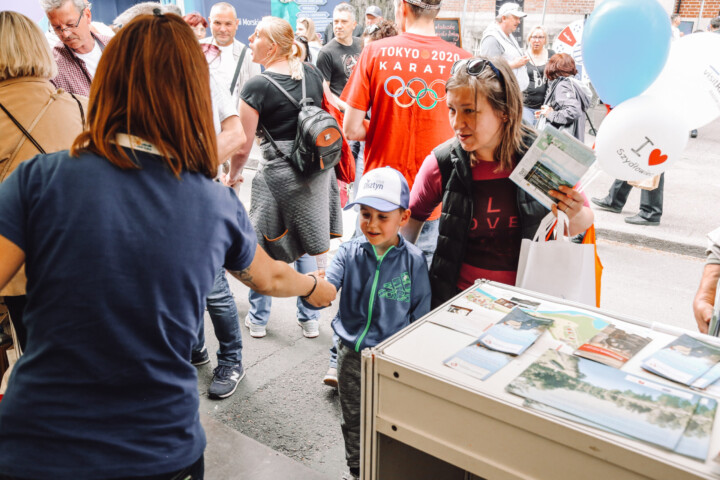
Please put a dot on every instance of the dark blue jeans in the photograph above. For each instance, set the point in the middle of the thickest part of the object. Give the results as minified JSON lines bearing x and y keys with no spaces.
{"x":226,"y":323}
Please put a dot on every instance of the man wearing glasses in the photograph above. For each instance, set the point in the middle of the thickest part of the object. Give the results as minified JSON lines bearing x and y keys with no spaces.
{"x":79,"y":53}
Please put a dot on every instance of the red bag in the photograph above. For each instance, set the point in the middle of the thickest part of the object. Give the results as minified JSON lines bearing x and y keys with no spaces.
{"x":345,"y":169}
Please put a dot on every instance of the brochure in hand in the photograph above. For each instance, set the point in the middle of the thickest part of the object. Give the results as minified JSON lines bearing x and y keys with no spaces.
{"x":554,"y":159}
{"x":514,"y":333}
{"x":621,"y":402}
{"x":612,"y":346}
{"x":684,"y":360}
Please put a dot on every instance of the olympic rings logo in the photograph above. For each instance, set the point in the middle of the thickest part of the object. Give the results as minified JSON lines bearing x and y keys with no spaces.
{"x":415,"y":97}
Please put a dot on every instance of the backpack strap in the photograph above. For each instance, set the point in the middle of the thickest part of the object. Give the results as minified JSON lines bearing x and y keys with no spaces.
{"x":22,"y":129}
{"x":285,"y":92}
{"x":237,"y":69}
{"x":82,"y":110}
{"x":262,"y":127}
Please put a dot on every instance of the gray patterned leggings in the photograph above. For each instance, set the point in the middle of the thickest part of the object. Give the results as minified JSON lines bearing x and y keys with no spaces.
{"x":349,"y":362}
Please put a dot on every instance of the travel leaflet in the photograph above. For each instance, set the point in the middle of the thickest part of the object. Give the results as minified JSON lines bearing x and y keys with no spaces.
{"x":553,"y":159}
{"x":684,"y":360}
{"x":618,"y":401}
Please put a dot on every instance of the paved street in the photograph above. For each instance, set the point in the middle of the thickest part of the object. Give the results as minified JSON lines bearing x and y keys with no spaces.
{"x":282,"y":403}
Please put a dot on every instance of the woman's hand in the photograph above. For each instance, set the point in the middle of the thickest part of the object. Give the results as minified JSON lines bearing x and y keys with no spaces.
{"x":544,"y":110}
{"x":232,"y":181}
{"x":572,"y":203}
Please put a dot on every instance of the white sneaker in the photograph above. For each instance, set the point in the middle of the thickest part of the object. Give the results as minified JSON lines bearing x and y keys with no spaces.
{"x":331,"y":378}
{"x":256,"y":331}
{"x":311,"y":328}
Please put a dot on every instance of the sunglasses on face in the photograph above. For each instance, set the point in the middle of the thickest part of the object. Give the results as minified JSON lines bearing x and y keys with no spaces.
{"x":475,"y":66}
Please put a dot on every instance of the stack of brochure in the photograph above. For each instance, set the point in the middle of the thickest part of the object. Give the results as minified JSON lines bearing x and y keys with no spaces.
{"x":495,"y":348}
{"x":554,"y":159}
{"x":612,"y":346}
{"x":686,"y":360}
{"x":603,"y":397}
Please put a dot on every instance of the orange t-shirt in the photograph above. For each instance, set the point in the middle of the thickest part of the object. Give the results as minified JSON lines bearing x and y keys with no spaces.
{"x":401,"y":80}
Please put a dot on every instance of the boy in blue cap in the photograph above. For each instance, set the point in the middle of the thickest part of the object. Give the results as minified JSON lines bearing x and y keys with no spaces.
{"x":385,"y":288}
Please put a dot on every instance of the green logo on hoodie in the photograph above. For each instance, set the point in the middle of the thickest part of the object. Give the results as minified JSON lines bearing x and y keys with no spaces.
{"x":397,"y":289}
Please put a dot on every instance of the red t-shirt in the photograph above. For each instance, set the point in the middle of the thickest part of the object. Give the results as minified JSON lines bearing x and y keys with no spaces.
{"x":402,"y":79}
{"x":493,"y":245}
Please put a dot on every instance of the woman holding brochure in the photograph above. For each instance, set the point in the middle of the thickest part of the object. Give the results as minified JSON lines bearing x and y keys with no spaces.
{"x":485,"y":215}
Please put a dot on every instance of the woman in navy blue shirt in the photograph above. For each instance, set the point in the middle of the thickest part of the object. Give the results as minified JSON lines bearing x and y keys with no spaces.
{"x":121,"y":237}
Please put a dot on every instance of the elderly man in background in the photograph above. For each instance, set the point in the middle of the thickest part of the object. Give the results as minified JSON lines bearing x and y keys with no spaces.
{"x":498,"y":41}
{"x":78,"y":55}
{"x":373,"y":15}
{"x":233,"y":66}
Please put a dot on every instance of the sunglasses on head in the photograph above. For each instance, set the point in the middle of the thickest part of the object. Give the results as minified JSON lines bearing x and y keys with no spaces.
{"x":475,"y":66}
{"x":372,"y":29}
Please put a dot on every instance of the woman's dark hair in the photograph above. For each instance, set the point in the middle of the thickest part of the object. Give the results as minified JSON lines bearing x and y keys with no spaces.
{"x":304,"y":42}
{"x":380,"y":30}
{"x":153,"y":82}
{"x":194,"y":19}
{"x":504,"y":96}
{"x":560,"y":65}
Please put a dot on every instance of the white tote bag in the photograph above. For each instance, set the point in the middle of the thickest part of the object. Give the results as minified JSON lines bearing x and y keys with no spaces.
{"x":558,"y":267}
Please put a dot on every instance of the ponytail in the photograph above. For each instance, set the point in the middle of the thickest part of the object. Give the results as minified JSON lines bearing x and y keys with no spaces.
{"x":294,"y":62}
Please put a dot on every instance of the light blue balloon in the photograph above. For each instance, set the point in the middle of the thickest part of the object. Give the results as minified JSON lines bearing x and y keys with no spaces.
{"x":625,"y":45}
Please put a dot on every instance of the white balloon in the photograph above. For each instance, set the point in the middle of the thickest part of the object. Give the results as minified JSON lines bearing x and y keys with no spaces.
{"x":690,"y":80}
{"x":640,"y":138}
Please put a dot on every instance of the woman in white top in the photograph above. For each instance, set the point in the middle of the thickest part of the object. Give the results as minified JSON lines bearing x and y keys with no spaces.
{"x":534,"y":95}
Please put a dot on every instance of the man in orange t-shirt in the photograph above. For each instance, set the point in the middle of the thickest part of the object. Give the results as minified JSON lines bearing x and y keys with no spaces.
{"x":401,"y":80}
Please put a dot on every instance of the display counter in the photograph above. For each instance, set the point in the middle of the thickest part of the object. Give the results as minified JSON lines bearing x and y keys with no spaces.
{"x":425,"y":420}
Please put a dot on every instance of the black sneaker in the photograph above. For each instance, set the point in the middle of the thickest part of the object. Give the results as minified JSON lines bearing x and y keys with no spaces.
{"x":225,"y":380}
{"x":200,"y":357}
{"x":604,"y":205}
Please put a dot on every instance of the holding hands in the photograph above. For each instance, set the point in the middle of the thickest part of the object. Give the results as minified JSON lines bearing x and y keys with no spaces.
{"x":323,"y":293}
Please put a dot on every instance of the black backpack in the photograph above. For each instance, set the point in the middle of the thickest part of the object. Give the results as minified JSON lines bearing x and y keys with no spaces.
{"x":318,"y":140}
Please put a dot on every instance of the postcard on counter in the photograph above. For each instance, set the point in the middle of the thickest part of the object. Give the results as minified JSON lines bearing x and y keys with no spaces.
{"x":684,"y":360}
{"x":464,"y":319}
{"x":478,"y":361}
{"x":554,"y":159}
{"x":515,"y":332}
{"x":612,"y":346}
{"x":694,"y":443}
{"x":625,"y":403}
{"x":708,"y":378}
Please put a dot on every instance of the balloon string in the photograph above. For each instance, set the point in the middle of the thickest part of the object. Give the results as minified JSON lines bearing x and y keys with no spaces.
{"x":589,"y":177}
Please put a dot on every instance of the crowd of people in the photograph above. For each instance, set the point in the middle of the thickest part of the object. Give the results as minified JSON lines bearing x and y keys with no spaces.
{"x":119,"y":220}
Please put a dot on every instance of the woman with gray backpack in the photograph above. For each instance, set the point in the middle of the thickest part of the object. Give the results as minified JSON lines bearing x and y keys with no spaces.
{"x":566,"y":99}
{"x":295,"y":203}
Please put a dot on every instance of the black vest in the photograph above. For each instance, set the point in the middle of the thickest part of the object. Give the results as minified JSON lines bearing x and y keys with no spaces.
{"x":457,"y":215}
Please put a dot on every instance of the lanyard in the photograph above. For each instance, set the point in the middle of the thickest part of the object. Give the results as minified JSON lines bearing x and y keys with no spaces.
{"x":136,"y":143}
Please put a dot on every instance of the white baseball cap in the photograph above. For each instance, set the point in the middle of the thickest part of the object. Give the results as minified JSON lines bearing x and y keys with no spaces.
{"x":384,"y":189}
{"x":511,"y":9}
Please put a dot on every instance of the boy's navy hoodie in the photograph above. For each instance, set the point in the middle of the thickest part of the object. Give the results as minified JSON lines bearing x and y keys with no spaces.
{"x":380,"y":295}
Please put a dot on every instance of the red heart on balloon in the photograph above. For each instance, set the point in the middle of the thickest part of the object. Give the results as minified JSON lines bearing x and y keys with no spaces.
{"x":656,"y":158}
